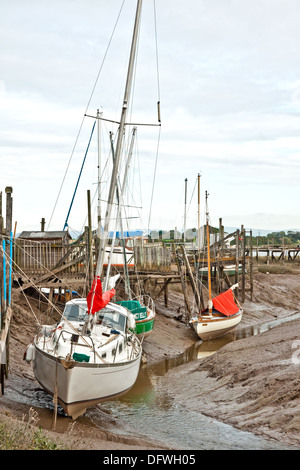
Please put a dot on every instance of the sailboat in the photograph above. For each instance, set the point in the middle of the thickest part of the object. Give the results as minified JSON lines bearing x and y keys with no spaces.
{"x":230,"y":270}
{"x":143,"y":311}
{"x":144,"y":315}
{"x":223,"y":313}
{"x":92,"y":354}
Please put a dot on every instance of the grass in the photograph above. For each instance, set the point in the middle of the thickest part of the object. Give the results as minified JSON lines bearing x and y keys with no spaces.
{"x":279,"y":268}
{"x":18,"y":434}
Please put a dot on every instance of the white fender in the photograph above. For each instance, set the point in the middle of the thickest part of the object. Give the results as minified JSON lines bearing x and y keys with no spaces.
{"x":130,"y":321}
{"x":29,"y":355}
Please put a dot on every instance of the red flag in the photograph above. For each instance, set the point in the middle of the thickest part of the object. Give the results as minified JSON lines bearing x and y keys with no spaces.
{"x":95,"y":299}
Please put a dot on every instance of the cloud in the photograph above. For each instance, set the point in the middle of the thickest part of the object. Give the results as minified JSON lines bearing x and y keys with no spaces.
{"x":227,"y":79}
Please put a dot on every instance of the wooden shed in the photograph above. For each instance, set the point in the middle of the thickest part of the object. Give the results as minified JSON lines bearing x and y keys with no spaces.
{"x":38,"y":251}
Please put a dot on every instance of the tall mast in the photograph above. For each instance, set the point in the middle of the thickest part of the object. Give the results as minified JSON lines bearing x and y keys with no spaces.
{"x":113,"y":183}
{"x":185,"y":202}
{"x":99,"y":174}
{"x":208,"y":258}
{"x":198,"y":215}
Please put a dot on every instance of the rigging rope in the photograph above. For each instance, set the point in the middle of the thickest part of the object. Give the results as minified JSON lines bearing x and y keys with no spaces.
{"x":66,"y":222}
{"x":158,"y":91}
{"x":86,"y":109}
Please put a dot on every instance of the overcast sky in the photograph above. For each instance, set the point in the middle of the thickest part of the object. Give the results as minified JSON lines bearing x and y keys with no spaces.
{"x":228,"y":79}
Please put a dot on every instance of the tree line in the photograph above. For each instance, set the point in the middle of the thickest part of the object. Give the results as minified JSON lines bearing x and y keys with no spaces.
{"x":278,"y":238}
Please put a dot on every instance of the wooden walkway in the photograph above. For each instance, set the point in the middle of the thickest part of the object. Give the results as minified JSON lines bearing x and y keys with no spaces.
{"x":277,"y":253}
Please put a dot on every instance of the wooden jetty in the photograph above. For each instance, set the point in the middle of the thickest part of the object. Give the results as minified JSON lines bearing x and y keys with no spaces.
{"x":55,"y":261}
{"x":274,"y":253}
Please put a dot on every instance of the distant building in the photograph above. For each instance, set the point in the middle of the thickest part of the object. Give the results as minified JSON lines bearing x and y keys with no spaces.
{"x":60,"y":236}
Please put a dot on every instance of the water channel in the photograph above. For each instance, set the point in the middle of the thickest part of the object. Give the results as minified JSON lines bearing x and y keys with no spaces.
{"x":147,"y":410}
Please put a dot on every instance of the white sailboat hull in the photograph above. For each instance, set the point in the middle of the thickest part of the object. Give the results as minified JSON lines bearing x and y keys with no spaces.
{"x":84,"y":384}
{"x":117,"y":257}
{"x":208,"y":328}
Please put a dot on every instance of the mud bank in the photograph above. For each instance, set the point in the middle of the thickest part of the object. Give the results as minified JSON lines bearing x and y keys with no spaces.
{"x":252,"y":384}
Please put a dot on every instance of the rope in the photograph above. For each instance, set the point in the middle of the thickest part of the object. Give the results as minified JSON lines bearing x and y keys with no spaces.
{"x":28,"y":303}
{"x":38,"y":262}
{"x":66,"y":222}
{"x":87,"y":106}
{"x":55,"y":395}
{"x":158,"y":92}
{"x":154,"y":176}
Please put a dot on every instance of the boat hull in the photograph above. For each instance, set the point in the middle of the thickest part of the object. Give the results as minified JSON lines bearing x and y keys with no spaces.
{"x":215,"y":327}
{"x":144,"y":328}
{"x":144,"y":317}
{"x":117,"y":257}
{"x":83,"y":384}
{"x":229,"y":270}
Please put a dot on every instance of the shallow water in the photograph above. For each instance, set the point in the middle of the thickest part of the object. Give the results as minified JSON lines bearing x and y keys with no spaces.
{"x":148,"y":411}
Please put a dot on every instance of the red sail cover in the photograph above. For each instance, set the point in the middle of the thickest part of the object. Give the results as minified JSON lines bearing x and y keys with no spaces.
{"x":95,"y":299}
{"x":225,"y":303}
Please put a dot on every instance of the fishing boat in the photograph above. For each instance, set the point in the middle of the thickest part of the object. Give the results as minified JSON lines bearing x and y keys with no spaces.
{"x":92,"y":354}
{"x":223,"y":313}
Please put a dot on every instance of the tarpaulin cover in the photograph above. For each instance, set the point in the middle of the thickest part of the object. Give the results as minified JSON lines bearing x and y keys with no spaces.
{"x":96,"y":300}
{"x":225,"y":303}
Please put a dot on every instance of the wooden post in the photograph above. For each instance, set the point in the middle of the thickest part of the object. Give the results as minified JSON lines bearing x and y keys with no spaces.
{"x":185,"y":295}
{"x":90,"y":240}
{"x":1,"y":268}
{"x":237,"y":260}
{"x":166,"y":293}
{"x":191,"y":277}
{"x":5,"y":288}
{"x":185,"y":205}
{"x":1,"y":217}
{"x":9,"y":204}
{"x":251,"y":266}
{"x":87,"y":258}
{"x":198,"y":215}
{"x":243,"y":262}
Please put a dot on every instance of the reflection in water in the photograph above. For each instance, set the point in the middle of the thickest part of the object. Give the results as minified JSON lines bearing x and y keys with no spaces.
{"x":266,"y":326}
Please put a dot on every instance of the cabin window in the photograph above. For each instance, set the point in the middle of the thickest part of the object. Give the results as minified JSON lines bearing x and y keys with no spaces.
{"x":75,"y":312}
{"x":111,"y":319}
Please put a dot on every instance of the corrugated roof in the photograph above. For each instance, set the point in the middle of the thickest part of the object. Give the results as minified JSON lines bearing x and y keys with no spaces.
{"x":45,"y":235}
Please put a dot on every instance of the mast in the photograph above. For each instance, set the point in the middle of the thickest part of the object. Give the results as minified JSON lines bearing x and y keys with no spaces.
{"x":198,"y":215}
{"x":185,"y":202}
{"x":120,"y":192}
{"x":208,"y":259}
{"x":127,"y":285}
{"x":99,"y":174}
{"x":116,"y":166}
